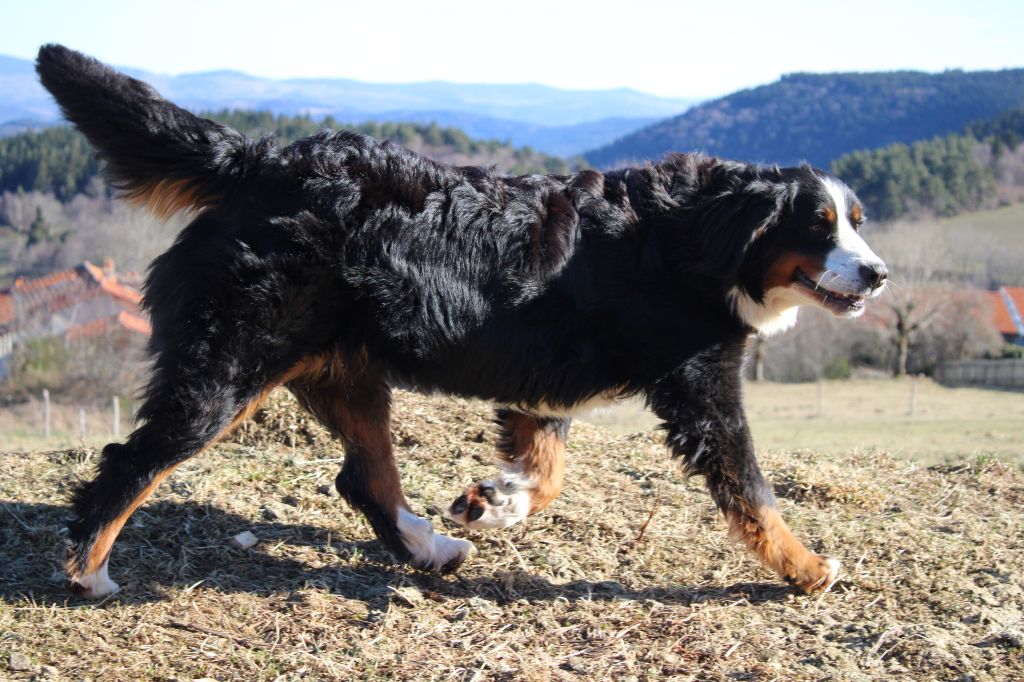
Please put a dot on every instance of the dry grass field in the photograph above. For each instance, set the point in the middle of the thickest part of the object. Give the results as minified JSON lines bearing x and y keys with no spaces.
{"x":628,"y":575}
{"x":1001,"y":226}
{"x":948,"y":425}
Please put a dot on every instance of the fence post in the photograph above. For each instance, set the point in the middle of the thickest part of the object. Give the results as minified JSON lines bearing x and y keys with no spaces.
{"x":117,"y":417}
{"x":913,"y":396}
{"x":46,"y":413}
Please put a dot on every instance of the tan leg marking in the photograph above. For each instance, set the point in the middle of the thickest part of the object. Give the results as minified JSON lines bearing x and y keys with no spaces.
{"x":100,"y":549}
{"x":766,"y":535}
{"x":358,"y":410}
{"x":105,"y":540}
{"x":538,"y":456}
{"x":532,"y":461}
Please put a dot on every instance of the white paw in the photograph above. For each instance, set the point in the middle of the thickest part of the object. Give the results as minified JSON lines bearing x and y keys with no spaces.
{"x":431,"y":551}
{"x":490,"y":505}
{"x":819,"y":575}
{"x":832,"y":575}
{"x":95,"y":585}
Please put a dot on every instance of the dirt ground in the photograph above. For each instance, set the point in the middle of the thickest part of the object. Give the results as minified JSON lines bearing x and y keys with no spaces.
{"x":628,"y":575}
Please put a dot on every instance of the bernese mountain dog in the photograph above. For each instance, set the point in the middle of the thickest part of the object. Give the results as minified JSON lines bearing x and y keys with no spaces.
{"x":342,"y":267}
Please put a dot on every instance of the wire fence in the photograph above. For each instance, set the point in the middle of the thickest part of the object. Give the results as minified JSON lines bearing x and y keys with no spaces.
{"x":65,"y":422}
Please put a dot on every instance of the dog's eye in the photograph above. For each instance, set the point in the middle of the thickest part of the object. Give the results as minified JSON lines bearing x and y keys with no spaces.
{"x":857,"y":223}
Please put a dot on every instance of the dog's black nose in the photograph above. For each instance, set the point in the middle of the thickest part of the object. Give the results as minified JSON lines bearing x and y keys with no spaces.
{"x":874,"y":274}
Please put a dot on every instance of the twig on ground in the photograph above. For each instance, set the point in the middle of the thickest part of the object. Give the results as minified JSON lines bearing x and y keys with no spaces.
{"x":241,"y":641}
{"x":643,"y":528}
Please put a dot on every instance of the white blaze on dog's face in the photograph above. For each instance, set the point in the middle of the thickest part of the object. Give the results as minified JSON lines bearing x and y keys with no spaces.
{"x":851,"y":267}
{"x":814,"y":257}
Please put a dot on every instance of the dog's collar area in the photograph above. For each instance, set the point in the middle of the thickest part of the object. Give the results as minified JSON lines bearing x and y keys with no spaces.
{"x":774,"y":314}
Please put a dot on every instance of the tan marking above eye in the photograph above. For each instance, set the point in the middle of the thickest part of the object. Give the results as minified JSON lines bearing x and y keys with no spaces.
{"x":829,"y":213}
{"x":856,"y":215}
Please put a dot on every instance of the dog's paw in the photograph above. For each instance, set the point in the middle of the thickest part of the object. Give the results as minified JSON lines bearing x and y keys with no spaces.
{"x":816,"y":575}
{"x":95,"y":585}
{"x":448,"y":554}
{"x":490,"y":505}
{"x":431,"y":551}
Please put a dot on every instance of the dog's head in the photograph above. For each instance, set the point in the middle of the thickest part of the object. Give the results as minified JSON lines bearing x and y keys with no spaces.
{"x":783,"y":238}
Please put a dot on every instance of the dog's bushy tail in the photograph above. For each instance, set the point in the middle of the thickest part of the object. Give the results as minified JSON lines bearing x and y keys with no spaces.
{"x":156,"y":154}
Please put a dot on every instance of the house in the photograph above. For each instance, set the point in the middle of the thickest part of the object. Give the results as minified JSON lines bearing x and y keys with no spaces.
{"x":82,"y":302}
{"x":1008,"y":307}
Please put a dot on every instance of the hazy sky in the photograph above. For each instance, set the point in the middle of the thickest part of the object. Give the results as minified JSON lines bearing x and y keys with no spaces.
{"x":686,"y":49}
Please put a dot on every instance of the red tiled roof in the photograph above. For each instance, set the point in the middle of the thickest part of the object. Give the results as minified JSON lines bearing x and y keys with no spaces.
{"x":6,"y":309}
{"x":87,"y":329}
{"x":94,"y":271}
{"x":1002,"y":317}
{"x":127,"y":321}
{"x":117,"y":290}
{"x":134,"y":323}
{"x":22,"y":285}
{"x":81,"y":287}
{"x":1017,"y":294}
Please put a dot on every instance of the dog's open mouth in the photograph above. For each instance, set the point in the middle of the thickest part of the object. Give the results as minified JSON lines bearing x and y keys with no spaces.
{"x":838,"y":303}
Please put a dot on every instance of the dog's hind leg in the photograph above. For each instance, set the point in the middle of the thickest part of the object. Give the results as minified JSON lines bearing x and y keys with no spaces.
{"x":189,"y":405}
{"x":531,"y":455}
{"x":355,"y":405}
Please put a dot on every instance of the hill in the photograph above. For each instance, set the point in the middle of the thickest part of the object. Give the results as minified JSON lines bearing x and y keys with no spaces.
{"x":628,"y":575}
{"x":972,"y":170}
{"x":551,"y":119}
{"x":819,"y":117}
{"x":58,"y":160}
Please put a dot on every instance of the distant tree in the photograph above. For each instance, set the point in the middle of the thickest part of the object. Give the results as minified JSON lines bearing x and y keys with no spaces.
{"x":39,"y":230}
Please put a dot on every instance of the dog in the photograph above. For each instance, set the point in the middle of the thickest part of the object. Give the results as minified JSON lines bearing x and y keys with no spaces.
{"x":342,"y":267}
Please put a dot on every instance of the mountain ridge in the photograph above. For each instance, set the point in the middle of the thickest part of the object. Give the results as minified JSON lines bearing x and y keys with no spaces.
{"x":550,"y":119}
{"x":818,"y":117}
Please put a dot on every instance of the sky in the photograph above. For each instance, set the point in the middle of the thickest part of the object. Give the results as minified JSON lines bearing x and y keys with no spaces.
{"x":675,"y":49}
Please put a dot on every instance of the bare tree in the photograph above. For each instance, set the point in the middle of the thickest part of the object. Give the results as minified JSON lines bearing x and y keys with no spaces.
{"x":925,"y":292}
{"x":89,"y":227}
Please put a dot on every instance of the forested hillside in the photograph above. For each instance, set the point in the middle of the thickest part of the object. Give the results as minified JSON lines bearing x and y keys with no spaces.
{"x":55,"y":210}
{"x":59,"y":161}
{"x":978,"y":168}
{"x":819,"y":117}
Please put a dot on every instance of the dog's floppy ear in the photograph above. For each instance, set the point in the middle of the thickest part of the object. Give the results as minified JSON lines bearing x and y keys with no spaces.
{"x":723,"y":228}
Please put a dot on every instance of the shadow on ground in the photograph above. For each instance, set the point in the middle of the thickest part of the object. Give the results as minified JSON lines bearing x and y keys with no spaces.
{"x":171,"y":545}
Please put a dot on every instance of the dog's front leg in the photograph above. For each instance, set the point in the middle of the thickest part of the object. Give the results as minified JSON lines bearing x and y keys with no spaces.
{"x":707,"y":429}
{"x":531,"y":457}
